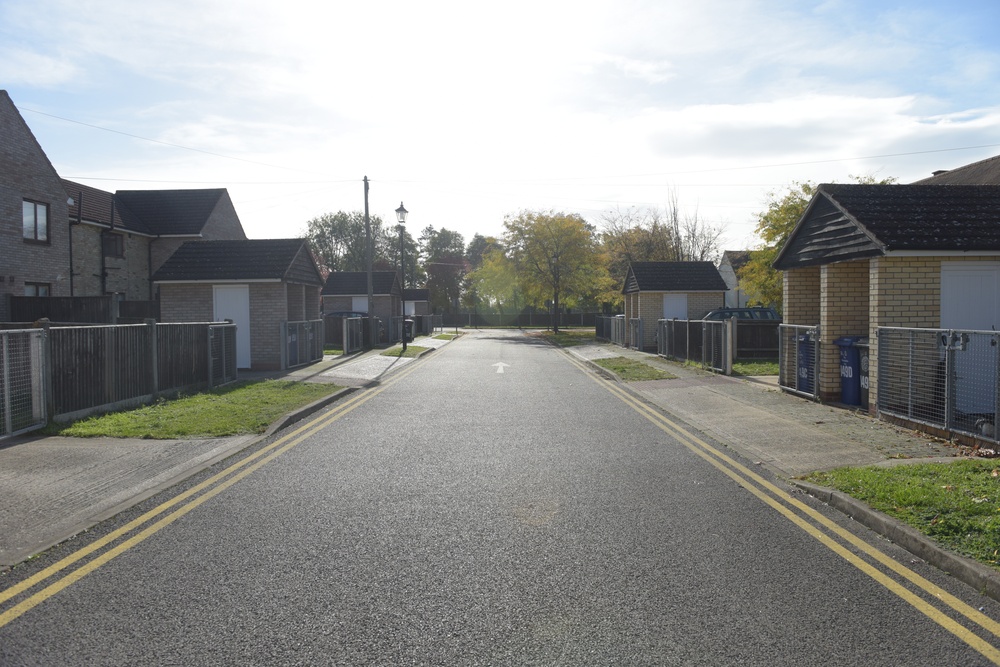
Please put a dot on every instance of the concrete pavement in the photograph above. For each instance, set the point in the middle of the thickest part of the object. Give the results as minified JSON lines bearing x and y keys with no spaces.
{"x":54,"y":488}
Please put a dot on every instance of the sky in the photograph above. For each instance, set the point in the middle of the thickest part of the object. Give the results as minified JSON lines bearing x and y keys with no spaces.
{"x":470,"y":112}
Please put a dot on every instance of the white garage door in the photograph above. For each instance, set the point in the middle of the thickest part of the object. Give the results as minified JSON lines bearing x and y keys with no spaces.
{"x":970,"y":299}
{"x":232,"y":302}
{"x":675,"y":305}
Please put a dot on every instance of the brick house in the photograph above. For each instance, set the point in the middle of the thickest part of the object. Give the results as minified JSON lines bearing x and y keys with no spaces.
{"x":120,"y":239}
{"x":868,"y":256}
{"x":33,"y":210}
{"x":417,"y":301}
{"x":258,"y":284}
{"x":666,"y":290}
{"x":67,"y":239}
{"x":348,"y":291}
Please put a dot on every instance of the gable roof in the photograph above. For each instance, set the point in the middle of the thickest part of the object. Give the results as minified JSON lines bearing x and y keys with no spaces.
{"x":735,"y":258}
{"x":673,"y":277}
{"x":256,"y":260}
{"x":355,"y":283}
{"x":845,"y":222}
{"x":149,"y":212}
{"x":172,"y":212}
{"x":984,"y":172}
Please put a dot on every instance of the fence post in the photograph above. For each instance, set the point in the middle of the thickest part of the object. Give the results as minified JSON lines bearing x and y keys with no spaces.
{"x":730,"y":345}
{"x":154,"y":353}
{"x":210,"y":332}
{"x":50,"y":399}
{"x":283,"y":344}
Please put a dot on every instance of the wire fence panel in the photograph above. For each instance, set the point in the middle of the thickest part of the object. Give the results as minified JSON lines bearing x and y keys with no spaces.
{"x":635,"y":333}
{"x":222,"y":350}
{"x":22,"y":373}
{"x":353,"y":334}
{"x":715,"y":346}
{"x":944,"y":378}
{"x":798,"y":359}
{"x":303,"y":342}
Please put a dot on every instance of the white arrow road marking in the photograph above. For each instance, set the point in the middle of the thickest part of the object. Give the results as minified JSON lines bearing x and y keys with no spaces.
{"x":500,"y":366}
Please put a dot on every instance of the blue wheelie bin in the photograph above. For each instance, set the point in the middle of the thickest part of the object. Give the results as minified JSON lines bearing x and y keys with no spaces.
{"x":806,"y":351}
{"x":850,"y":369}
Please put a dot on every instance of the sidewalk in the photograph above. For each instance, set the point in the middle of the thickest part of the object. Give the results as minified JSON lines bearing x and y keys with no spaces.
{"x":55,"y":487}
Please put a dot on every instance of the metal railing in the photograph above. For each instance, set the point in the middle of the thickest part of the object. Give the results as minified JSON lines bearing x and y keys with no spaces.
{"x":611,"y":329}
{"x":22,"y":381}
{"x":303,"y":342}
{"x":944,"y":378}
{"x":635,"y":333}
{"x":709,"y":343}
{"x":798,"y":359}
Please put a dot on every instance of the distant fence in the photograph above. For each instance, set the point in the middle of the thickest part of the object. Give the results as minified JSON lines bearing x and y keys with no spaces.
{"x":706,"y":342}
{"x":81,"y":309}
{"x":611,"y":329}
{"x":65,"y":373}
{"x":520,"y":320}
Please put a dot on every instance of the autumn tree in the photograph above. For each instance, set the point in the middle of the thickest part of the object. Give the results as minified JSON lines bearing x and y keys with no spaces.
{"x":554,"y":257}
{"x":442,"y":253}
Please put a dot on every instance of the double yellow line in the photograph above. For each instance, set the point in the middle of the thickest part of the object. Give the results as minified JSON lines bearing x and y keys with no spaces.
{"x":834,"y":537}
{"x":123,"y":538}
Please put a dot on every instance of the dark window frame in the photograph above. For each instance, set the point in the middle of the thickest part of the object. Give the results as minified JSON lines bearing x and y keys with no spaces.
{"x":34,"y":238}
{"x":38,"y":287}
{"x":114,"y":242}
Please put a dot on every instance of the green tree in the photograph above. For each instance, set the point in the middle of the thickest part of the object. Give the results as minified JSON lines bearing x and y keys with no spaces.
{"x":442,"y":253}
{"x":338,"y":239}
{"x":554,"y":256}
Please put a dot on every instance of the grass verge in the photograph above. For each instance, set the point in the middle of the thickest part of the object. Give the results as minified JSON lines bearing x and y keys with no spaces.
{"x":633,"y":370}
{"x":569,"y":337}
{"x":237,"y":409}
{"x":957,"y":504}
{"x":445,"y":336}
{"x":755,"y":367}
{"x":411,"y":351}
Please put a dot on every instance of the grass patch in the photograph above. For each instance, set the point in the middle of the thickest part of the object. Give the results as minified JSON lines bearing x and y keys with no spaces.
{"x":633,"y":370}
{"x":330,"y":349}
{"x":569,"y":337}
{"x":411,"y":351}
{"x":237,"y":409}
{"x":957,"y":504}
{"x":446,"y":336}
{"x":755,"y":367}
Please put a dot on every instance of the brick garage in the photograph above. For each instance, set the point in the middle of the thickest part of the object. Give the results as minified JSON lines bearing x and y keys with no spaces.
{"x":869,"y":256}
{"x":694,"y":287}
{"x":281,"y":281}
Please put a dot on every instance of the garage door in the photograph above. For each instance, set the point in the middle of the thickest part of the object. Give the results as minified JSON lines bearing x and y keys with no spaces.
{"x":232,"y":302}
{"x":970,"y":299}
{"x":675,"y":306}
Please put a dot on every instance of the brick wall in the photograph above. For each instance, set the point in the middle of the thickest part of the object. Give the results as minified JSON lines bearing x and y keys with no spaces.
{"x":844,"y":298}
{"x":26,"y":173}
{"x":268,"y":309}
{"x":801,"y":296}
{"x":86,"y":260}
{"x":186,"y":303}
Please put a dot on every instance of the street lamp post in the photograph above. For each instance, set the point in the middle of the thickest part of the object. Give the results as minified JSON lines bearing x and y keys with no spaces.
{"x":401,"y":217}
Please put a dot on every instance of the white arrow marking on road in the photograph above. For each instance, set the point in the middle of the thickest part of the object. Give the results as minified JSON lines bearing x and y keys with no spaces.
{"x":500,"y":366}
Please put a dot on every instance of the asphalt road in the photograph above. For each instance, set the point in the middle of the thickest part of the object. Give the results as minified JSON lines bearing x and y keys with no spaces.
{"x":491,"y":504}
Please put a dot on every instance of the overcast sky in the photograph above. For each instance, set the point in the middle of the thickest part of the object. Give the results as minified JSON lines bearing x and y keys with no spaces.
{"x":471,"y":111}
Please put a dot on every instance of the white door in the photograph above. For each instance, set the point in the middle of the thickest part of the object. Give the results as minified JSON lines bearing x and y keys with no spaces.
{"x":232,"y":302}
{"x":675,"y":305}
{"x":970,"y":299}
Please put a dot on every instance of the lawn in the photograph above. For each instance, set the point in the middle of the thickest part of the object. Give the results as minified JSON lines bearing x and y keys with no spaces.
{"x":957,"y":504}
{"x":237,"y":409}
{"x":569,"y":337}
{"x":633,"y":370}
{"x":748,"y":367}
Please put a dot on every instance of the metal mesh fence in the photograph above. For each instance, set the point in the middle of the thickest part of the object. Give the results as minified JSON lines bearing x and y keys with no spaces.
{"x":304,"y":342}
{"x":940,"y":377}
{"x":21,"y":381}
{"x":798,"y":359}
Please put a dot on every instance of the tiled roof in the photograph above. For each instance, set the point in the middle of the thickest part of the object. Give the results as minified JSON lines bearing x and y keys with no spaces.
{"x":984,"y":172}
{"x":242,"y":260}
{"x":416,"y":294}
{"x":96,"y":205}
{"x":151,"y":212}
{"x":846,"y":222}
{"x":355,"y":283}
{"x":172,"y":212}
{"x":673,"y":277}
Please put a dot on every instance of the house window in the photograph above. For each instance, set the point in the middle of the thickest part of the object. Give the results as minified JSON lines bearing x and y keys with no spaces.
{"x":36,"y":221}
{"x":36,"y":289}
{"x":114,"y":245}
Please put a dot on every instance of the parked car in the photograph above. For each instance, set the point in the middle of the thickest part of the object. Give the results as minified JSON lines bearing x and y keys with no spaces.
{"x":755,"y":313}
